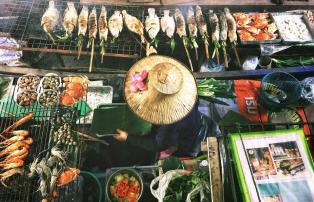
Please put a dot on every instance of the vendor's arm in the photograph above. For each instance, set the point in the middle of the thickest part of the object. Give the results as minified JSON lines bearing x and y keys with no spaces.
{"x":146,"y":142}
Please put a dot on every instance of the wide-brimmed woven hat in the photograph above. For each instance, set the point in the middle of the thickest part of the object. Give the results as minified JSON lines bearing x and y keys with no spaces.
{"x":171,"y":92}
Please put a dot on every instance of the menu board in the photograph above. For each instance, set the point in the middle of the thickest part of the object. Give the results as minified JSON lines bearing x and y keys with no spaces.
{"x":273,"y":166}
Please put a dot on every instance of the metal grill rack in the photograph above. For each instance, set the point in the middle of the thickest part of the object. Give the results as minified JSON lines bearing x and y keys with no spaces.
{"x":40,"y":127}
{"x":27,"y":28}
{"x":231,"y":185}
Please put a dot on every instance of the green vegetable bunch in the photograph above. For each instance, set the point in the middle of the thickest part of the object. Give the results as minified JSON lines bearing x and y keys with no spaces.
{"x":179,"y":187}
{"x":211,"y":89}
{"x":304,"y":61}
{"x":3,"y":87}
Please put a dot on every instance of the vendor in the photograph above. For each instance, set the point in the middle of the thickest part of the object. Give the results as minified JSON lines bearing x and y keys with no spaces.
{"x":165,"y":94}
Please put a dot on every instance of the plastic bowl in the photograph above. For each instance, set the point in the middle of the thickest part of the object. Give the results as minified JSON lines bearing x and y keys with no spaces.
{"x":130,"y":172}
{"x":278,"y":90}
{"x":50,"y":75}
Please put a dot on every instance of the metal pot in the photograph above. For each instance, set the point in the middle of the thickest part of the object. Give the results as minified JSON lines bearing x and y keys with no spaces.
{"x":130,"y":172}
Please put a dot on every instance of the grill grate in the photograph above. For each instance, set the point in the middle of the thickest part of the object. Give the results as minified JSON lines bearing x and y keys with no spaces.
{"x":40,"y":127}
{"x":23,"y":24}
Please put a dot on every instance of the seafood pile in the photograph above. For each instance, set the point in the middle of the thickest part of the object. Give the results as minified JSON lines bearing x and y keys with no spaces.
{"x":255,"y":27}
{"x":53,"y":172}
{"x":26,"y":98}
{"x":50,"y":81}
{"x":75,"y":90}
{"x":48,"y":98}
{"x":64,"y":135}
{"x":292,"y":28}
{"x":14,"y":148}
{"x":28,"y":82}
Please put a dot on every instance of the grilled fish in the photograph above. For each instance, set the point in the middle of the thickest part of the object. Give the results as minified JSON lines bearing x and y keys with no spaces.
{"x":214,"y":25}
{"x":152,"y":25}
{"x":134,"y":24}
{"x":82,"y":21}
{"x":70,"y":18}
{"x":115,"y":24}
{"x":192,"y":27}
{"x":223,"y":35}
{"x":181,"y":31}
{"x":102,"y":24}
{"x":92,"y":24}
{"x":202,"y":27}
{"x":167,"y":24}
{"x":232,"y":26}
{"x":50,"y":19}
{"x":103,"y":31}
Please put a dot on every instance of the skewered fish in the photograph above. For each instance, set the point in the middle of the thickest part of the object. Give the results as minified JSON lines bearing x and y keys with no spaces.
{"x":92,"y":28}
{"x":134,"y":25}
{"x":152,"y":25}
{"x":115,"y":24}
{"x":82,"y":28}
{"x":70,"y":19}
{"x":167,"y":24}
{"x":103,"y":30}
{"x":202,"y":27}
{"x":232,"y":26}
{"x":181,"y":31}
{"x":232,"y":32}
{"x":192,"y":27}
{"x":92,"y":24}
{"x":223,"y":35}
{"x":214,"y":26}
{"x":50,"y":19}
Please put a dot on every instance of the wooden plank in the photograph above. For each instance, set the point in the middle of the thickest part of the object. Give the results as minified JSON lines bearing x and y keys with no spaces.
{"x":232,"y":2}
{"x":17,"y":71}
{"x":118,"y":2}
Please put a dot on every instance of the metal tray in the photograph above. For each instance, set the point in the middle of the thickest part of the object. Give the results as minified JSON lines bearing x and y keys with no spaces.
{"x":310,"y":25}
{"x":285,"y":39}
{"x":256,"y":42}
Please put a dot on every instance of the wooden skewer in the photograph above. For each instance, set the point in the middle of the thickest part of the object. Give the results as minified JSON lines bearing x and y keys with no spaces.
{"x":79,"y":52}
{"x":196,"y":54}
{"x":225,"y":56}
{"x":92,"y":55}
{"x":206,"y":48}
{"x":91,"y":138}
{"x":217,"y":56}
{"x":188,"y":55}
{"x":236,"y":53}
{"x":102,"y":58}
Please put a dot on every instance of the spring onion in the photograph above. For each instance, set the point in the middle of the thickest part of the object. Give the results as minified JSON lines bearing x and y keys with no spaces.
{"x":304,"y":61}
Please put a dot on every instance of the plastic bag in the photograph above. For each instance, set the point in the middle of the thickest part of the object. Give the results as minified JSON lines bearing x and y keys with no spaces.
{"x":308,"y":89}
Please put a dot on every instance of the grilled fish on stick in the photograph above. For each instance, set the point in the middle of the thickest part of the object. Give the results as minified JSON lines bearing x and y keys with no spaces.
{"x":214,"y":26}
{"x":181,"y":31}
{"x":103,"y":30}
{"x":92,"y":32}
{"x":82,"y":28}
{"x":70,"y":19}
{"x":202,"y":27}
{"x":115,"y":24}
{"x":192,"y":27}
{"x":134,"y":25}
{"x":152,"y":25}
{"x":168,"y":25}
{"x":232,"y":32}
{"x":50,"y":19}
{"x":224,"y":35}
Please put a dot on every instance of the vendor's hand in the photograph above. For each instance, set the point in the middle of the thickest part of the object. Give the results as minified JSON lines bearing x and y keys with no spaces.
{"x":121,"y":135}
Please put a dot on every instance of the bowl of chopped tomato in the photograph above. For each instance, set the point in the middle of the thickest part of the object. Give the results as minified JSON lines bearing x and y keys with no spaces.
{"x":124,"y":185}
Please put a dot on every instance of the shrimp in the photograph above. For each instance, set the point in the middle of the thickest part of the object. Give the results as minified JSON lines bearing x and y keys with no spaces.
{"x":18,"y":152}
{"x":53,"y":180}
{"x":22,"y":156}
{"x":58,"y":153}
{"x":32,"y":168}
{"x":23,"y":120}
{"x":11,"y":141}
{"x":29,"y":141}
{"x":13,"y":147}
{"x":16,"y":164}
{"x":4,"y":176}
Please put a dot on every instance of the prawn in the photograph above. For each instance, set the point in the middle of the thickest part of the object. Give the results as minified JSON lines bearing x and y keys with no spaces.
{"x":4,"y":176}
{"x":13,"y":147}
{"x":16,"y":164}
{"x":28,"y":141}
{"x":11,"y":141}
{"x":23,"y":120}
{"x":32,"y":168}
{"x":58,"y":153}
{"x":19,"y":152}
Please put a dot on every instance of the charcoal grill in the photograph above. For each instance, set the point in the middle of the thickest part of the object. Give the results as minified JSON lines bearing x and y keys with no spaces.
{"x":21,"y":188}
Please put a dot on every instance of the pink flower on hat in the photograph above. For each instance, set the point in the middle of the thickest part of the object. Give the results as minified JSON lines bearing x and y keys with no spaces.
{"x":139,"y":82}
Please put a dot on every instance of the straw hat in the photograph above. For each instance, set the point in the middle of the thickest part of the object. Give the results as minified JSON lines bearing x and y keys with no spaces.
{"x":171,"y":92}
